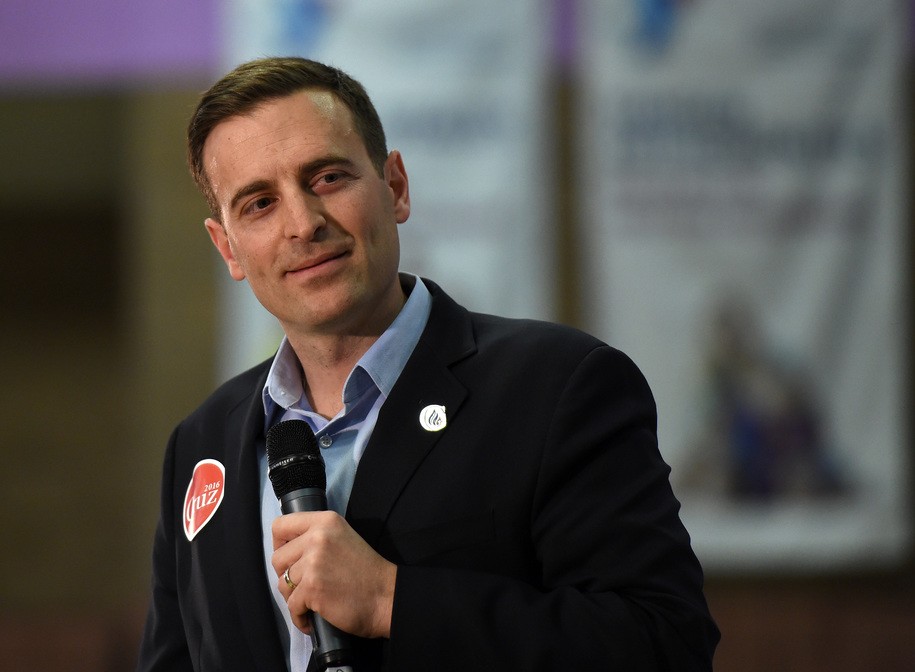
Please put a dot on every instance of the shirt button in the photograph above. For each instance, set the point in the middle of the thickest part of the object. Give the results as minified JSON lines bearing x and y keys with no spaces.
{"x":325,"y":441}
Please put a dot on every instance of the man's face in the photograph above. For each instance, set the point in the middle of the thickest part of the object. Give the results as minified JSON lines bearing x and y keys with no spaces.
{"x":306,"y":218}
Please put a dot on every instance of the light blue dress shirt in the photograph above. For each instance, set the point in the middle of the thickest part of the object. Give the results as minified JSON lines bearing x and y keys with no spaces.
{"x":342,"y":439}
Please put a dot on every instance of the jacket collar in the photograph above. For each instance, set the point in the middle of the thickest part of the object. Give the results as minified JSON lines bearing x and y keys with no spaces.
{"x":399,"y":442}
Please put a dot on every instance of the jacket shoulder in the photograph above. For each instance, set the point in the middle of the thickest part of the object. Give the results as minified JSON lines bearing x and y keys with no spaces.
{"x":515,"y":338}
{"x":510,"y":344}
{"x":537,"y":331}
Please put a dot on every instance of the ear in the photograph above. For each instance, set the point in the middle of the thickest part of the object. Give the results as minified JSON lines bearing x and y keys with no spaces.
{"x":395,"y":176}
{"x":221,"y":240}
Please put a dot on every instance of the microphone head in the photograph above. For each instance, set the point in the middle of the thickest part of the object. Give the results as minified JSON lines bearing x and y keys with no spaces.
{"x":293,"y":458}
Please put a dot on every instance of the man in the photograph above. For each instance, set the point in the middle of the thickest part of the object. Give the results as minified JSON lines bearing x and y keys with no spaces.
{"x":499,"y":502}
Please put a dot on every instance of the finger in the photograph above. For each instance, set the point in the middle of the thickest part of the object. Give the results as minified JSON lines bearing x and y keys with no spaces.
{"x":286,"y":584}
{"x":284,"y":557}
{"x":302,"y":622}
{"x":287,"y":527}
{"x":287,"y":579}
{"x":298,"y":608}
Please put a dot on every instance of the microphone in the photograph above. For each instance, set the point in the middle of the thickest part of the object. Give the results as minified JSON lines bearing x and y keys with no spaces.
{"x":296,"y":470}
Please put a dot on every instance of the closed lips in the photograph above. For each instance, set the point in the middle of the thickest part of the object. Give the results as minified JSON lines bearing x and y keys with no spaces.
{"x":317,"y":261}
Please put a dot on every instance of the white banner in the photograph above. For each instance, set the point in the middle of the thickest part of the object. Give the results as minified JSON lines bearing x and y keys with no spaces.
{"x":745,"y":218}
{"x":459,"y":86}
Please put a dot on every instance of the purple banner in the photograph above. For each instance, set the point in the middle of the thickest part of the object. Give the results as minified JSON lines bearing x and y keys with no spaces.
{"x":60,"y":41}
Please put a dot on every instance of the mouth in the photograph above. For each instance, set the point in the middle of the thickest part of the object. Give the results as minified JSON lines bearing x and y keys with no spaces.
{"x":317,"y":263}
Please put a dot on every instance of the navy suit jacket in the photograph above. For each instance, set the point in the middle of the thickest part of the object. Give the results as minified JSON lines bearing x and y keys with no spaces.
{"x":536,"y":531}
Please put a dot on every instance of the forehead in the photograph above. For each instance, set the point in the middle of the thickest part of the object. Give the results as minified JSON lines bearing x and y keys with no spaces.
{"x":308,"y":122}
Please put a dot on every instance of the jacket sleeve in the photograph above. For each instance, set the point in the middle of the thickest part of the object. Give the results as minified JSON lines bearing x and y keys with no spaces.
{"x":164,"y":645}
{"x":620,"y":587}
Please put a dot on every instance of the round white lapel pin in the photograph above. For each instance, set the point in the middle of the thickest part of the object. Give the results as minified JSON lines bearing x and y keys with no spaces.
{"x":433,"y":418}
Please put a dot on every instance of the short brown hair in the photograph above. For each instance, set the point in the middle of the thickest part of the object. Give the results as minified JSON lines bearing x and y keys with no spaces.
{"x":255,"y":82}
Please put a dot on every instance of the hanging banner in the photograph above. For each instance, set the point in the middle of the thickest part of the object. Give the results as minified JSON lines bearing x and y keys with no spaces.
{"x":459,"y":88}
{"x":745,"y":245}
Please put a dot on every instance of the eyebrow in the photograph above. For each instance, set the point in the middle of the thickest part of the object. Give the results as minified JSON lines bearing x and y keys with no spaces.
{"x":305,"y":169}
{"x":246,"y":191}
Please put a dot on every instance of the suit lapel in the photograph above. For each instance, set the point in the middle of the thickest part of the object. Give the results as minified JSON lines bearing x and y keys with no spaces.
{"x":245,"y":432}
{"x":399,"y":443}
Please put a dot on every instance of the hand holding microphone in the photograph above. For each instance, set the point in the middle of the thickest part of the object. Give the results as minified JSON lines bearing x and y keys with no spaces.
{"x":333,"y":575}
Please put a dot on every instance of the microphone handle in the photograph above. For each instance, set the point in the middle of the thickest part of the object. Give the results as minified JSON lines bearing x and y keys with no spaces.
{"x":332,"y":647}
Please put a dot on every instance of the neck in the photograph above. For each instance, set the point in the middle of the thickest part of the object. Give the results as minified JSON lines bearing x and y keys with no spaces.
{"x":326,"y":364}
{"x":327,"y":358}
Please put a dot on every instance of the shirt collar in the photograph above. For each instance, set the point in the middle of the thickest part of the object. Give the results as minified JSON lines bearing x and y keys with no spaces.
{"x":379,"y":367}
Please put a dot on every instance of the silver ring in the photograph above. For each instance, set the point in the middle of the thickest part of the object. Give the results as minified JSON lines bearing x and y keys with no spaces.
{"x":289,"y":582}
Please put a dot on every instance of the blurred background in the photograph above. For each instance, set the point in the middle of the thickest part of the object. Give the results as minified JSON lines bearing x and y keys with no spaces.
{"x":718,"y":187}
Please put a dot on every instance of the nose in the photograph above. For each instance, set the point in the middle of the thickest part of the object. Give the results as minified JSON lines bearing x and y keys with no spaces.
{"x":304,"y":217}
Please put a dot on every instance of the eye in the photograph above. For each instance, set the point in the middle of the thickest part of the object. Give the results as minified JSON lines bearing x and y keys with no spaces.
{"x":258,"y":205}
{"x":327,"y":182}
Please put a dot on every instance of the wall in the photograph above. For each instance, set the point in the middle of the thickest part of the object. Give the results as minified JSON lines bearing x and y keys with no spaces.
{"x":108,"y":331}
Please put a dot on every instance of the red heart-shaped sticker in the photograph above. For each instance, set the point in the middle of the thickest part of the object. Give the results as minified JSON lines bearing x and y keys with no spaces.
{"x":204,"y":495}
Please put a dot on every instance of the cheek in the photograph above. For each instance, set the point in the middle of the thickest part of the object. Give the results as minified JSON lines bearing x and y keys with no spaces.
{"x":246,"y":257}
{"x":243,"y":247}
{"x":385,"y":230}
{"x":386,"y":245}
